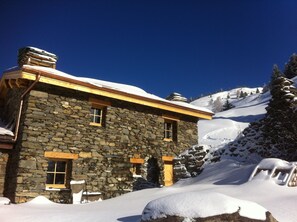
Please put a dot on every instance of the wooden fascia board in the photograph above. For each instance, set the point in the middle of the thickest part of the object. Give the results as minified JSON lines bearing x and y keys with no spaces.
{"x":106,"y":92}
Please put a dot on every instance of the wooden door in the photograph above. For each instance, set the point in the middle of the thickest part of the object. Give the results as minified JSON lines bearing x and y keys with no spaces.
{"x":168,"y":173}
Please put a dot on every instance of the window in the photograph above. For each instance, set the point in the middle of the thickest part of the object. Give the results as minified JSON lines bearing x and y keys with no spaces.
{"x":56,"y":174}
{"x":136,"y":166}
{"x":59,"y":169}
{"x":170,"y":130}
{"x":97,"y":116}
{"x":136,"y":170}
{"x":98,"y":112}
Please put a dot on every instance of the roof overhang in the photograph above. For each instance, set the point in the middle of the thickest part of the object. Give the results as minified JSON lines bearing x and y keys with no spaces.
{"x":18,"y":78}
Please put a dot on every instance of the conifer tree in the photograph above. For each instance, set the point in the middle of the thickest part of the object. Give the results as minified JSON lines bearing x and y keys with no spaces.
{"x":280,"y":123}
{"x":275,"y":74}
{"x":227,"y":105}
{"x":291,"y":67}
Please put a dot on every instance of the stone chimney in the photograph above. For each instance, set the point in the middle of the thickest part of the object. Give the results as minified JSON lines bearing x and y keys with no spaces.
{"x":176,"y":97}
{"x":36,"y":57}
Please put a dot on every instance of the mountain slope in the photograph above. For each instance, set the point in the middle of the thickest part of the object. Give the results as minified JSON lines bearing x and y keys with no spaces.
{"x":228,"y":125}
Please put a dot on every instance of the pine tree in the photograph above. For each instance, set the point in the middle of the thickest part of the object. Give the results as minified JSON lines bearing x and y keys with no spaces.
{"x":280,"y":123}
{"x":227,"y":105}
{"x":275,"y":74}
{"x":291,"y":67}
{"x":257,"y":91}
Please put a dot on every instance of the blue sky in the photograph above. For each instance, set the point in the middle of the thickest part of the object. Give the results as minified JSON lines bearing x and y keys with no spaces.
{"x":190,"y":47}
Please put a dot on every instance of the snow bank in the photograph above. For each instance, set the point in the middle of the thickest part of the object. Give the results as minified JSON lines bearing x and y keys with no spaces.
{"x":270,"y":163}
{"x":40,"y":200}
{"x":201,"y":205}
{"x":4,"y":201}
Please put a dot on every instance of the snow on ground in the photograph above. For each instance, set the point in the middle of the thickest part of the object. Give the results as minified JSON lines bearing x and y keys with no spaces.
{"x":228,"y":125}
{"x":226,"y":177}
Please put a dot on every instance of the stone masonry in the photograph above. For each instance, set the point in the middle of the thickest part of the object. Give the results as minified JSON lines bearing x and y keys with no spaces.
{"x":57,"y":119}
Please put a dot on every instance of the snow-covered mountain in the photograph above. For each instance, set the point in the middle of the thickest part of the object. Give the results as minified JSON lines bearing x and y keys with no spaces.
{"x":228,"y":125}
{"x":236,"y":97}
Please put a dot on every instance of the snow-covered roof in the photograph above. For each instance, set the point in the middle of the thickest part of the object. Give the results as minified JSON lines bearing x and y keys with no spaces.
{"x":115,"y":87}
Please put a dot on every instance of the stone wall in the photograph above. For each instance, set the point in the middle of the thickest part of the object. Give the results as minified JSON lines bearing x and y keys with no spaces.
{"x":3,"y":162}
{"x":57,"y":119}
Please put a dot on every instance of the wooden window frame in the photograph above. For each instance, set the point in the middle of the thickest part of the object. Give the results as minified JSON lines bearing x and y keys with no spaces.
{"x":55,"y":172}
{"x":59,"y":157}
{"x":98,"y":105}
{"x":101,"y":115}
{"x":173,"y":131}
{"x":136,"y":166}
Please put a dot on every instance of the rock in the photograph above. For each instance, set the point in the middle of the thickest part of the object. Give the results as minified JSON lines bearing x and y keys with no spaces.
{"x":204,"y":206}
{"x":235,"y":217}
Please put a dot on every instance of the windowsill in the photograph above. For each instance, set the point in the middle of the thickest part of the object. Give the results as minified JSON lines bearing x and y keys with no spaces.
{"x":55,"y":188}
{"x":96,"y":124}
{"x":167,"y":140}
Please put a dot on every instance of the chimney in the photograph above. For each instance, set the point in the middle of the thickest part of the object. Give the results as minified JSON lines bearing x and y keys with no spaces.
{"x":36,"y":57}
{"x":176,"y":97}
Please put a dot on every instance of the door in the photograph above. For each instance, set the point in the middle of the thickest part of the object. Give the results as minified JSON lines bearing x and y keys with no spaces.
{"x":168,"y":173}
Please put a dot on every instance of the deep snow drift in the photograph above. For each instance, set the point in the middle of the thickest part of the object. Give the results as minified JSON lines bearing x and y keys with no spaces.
{"x":227,"y":177}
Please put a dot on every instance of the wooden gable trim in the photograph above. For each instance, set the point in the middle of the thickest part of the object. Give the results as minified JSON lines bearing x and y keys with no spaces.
{"x":60,"y":155}
{"x":27,"y":73}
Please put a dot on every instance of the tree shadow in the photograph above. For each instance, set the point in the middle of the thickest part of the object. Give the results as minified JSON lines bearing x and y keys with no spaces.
{"x":134,"y":218}
{"x":243,"y":119}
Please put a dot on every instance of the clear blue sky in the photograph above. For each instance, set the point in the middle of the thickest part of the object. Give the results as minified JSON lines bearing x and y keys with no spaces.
{"x":191,"y":47}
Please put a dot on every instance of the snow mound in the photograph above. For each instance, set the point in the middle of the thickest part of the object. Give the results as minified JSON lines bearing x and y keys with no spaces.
{"x":270,"y":163}
{"x":40,"y":200}
{"x":200,"y":205}
{"x":4,"y":201}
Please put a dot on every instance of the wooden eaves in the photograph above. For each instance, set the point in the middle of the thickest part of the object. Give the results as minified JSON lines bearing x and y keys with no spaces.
{"x":25,"y":73}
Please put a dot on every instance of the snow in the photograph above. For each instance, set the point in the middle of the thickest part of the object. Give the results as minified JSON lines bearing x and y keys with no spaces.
{"x":77,"y":182}
{"x":271,"y":163}
{"x":4,"y":130}
{"x":221,"y":187}
{"x":201,"y":204}
{"x":43,"y":53}
{"x":226,"y":126}
{"x":227,"y":177}
{"x":133,"y":90}
{"x":4,"y":201}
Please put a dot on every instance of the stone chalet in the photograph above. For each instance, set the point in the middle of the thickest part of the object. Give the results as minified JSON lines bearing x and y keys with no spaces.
{"x":57,"y":128}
